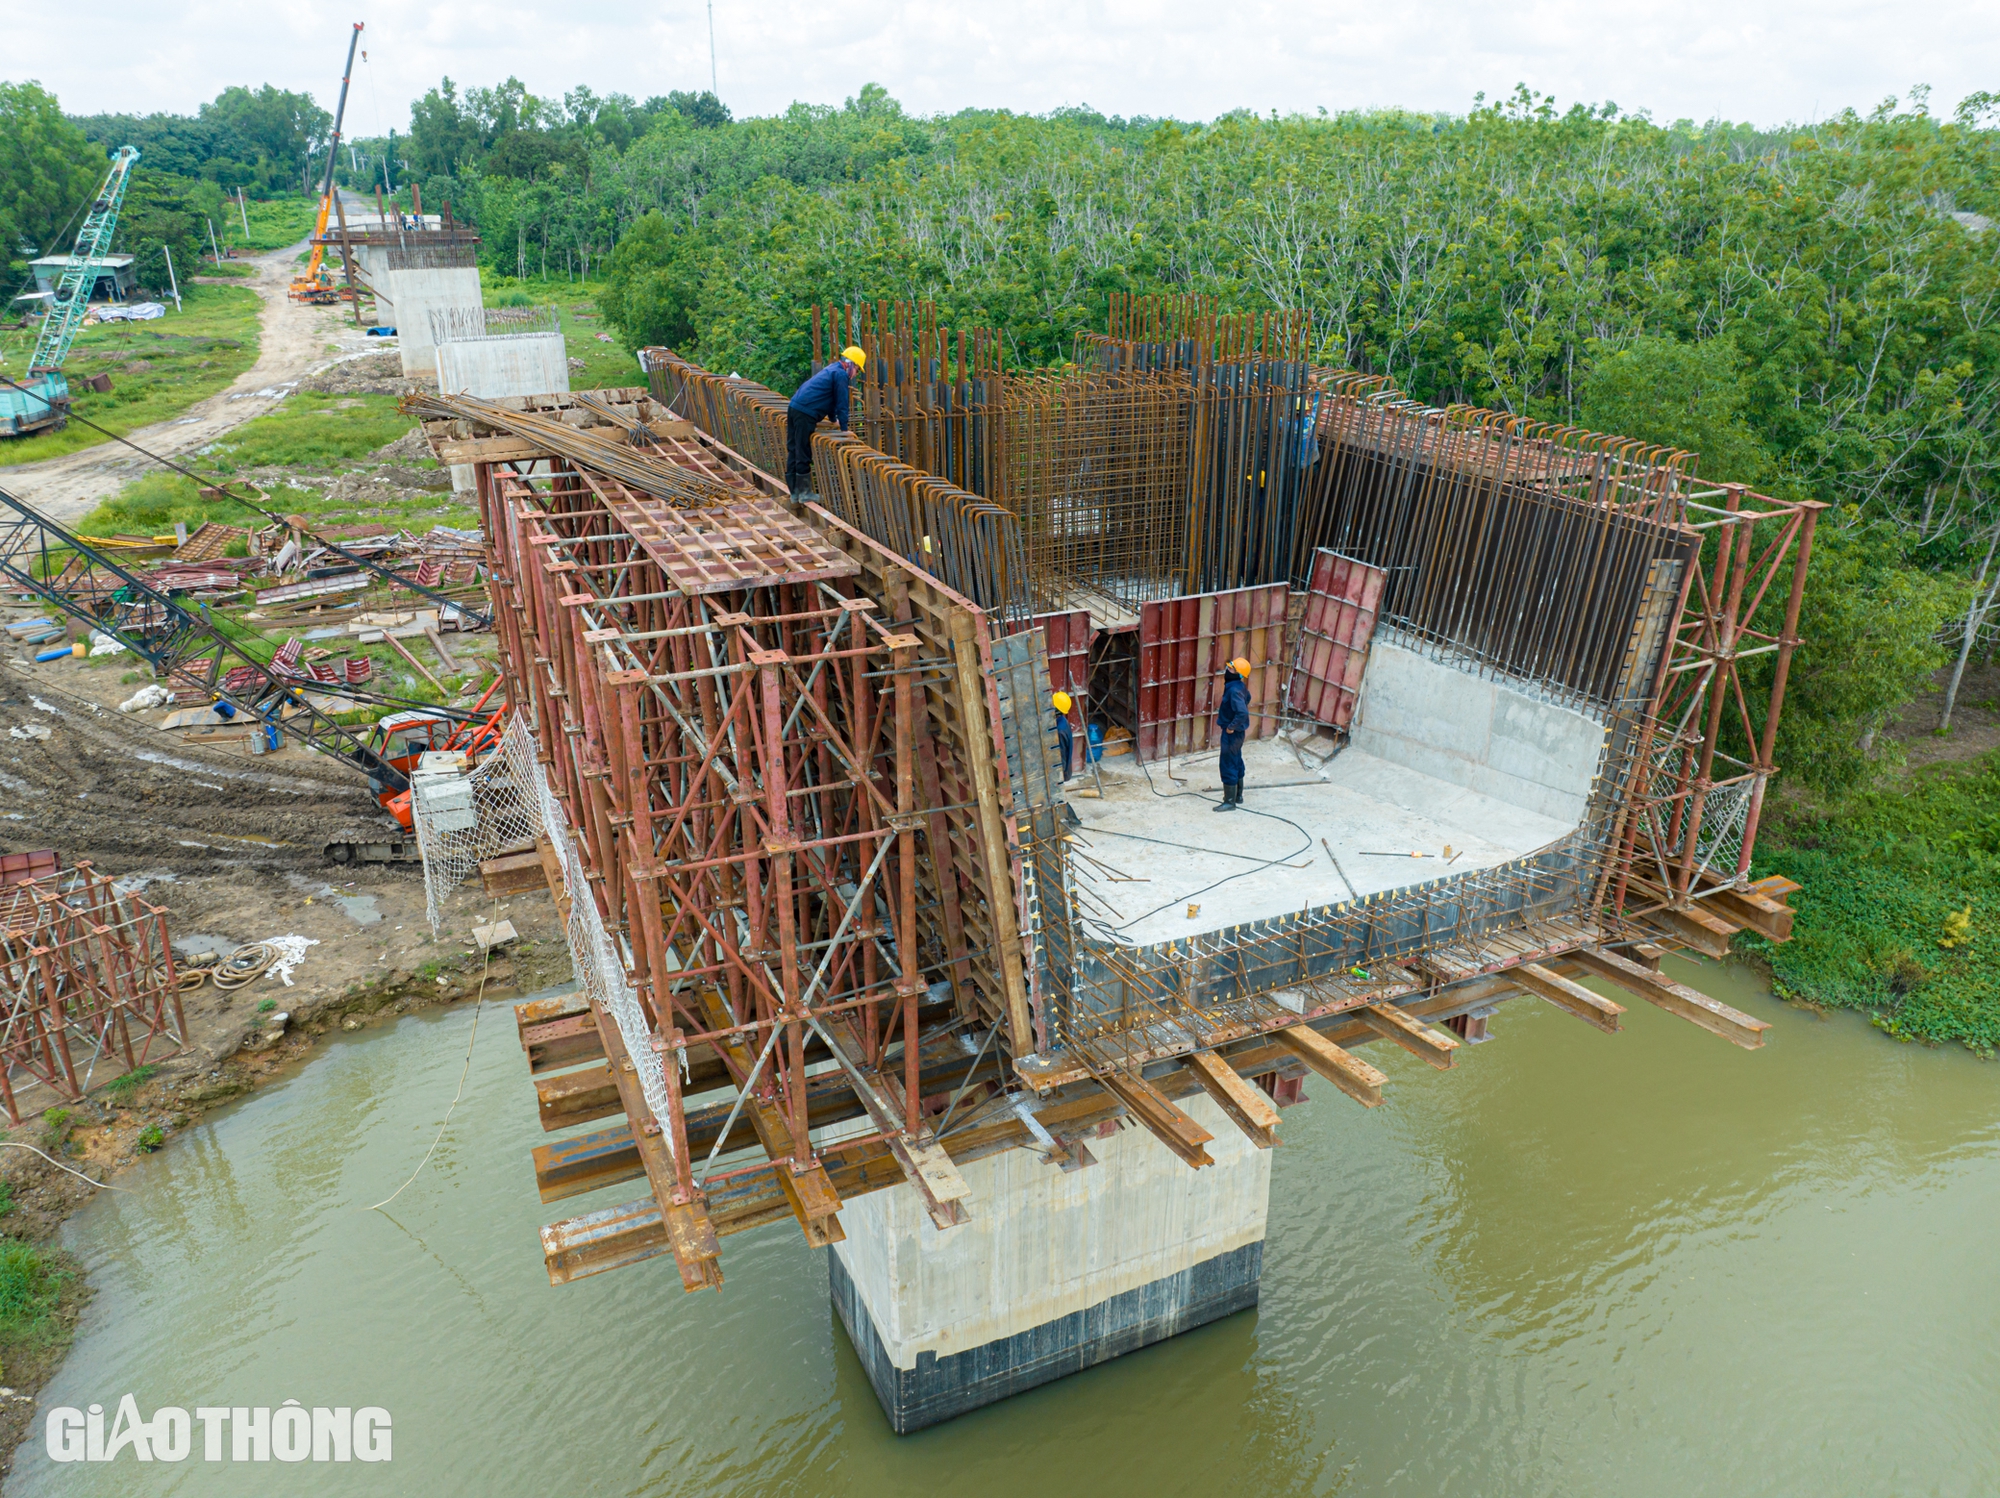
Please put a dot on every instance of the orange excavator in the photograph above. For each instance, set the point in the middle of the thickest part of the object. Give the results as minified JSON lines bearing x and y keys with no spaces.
{"x":316,"y":285}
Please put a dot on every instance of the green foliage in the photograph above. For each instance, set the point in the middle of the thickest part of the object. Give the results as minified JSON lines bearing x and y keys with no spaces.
{"x":274,"y":223}
{"x":48,"y":171}
{"x":513,"y":297}
{"x":259,"y":139}
{"x":56,"y":1124}
{"x":151,"y":1138}
{"x":121,"y":1089}
{"x":653,"y":282}
{"x":164,"y":210}
{"x":6,"y":1197}
{"x":267,"y":1006}
{"x":1900,"y":910}
{"x":1683,"y":395}
{"x":29,"y":1289}
{"x":1869,"y":629}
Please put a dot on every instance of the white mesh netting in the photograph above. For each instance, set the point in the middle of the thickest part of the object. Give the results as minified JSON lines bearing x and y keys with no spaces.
{"x":514,"y":805}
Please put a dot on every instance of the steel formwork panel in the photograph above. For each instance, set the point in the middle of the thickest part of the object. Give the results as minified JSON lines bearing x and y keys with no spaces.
{"x":1184,"y":643}
{"x":1342,"y":603}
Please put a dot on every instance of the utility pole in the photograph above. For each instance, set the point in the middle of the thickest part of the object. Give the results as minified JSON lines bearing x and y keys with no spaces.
{"x":211,"y":243}
{"x":244,"y":209}
{"x":172,"y":279}
{"x":713,"y":86}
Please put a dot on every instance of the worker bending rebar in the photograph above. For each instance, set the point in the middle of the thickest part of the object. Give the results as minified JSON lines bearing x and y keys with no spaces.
{"x":824,"y":395}
{"x":1233,"y":718}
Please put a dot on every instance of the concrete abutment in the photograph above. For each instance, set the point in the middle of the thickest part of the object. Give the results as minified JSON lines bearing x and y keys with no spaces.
{"x":1055,"y":1272}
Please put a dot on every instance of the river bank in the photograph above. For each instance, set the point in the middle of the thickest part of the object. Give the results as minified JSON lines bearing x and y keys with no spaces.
{"x":1648,"y":1264}
{"x":43,"y":1288}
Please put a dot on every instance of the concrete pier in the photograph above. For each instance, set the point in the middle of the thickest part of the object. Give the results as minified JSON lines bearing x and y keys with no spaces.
{"x":1056,"y":1271}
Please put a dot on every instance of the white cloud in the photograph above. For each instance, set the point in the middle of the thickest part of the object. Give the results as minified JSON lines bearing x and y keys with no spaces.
{"x":1766,"y":61}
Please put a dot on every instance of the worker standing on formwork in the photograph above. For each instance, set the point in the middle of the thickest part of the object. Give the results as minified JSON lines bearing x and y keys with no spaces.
{"x":824,"y":395}
{"x":1233,"y":718}
{"x":1065,"y":735}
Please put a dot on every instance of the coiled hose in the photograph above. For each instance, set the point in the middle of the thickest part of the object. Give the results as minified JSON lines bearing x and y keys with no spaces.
{"x":245,"y":965}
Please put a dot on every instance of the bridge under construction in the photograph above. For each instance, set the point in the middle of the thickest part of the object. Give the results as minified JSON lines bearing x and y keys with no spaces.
{"x":855,"y":957}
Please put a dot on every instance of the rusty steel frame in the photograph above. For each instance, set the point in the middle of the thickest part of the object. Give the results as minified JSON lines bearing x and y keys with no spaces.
{"x":772,"y":834}
{"x":81,"y":963}
{"x":1673,"y":846}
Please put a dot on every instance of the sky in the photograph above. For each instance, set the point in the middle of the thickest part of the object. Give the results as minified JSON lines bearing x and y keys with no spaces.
{"x":1766,"y":62}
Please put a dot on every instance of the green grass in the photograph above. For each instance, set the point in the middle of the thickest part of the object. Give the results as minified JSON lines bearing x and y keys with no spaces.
{"x":1900,"y":910}
{"x":30,"y":1287}
{"x":158,"y":369}
{"x":273,"y":224}
{"x":121,"y":1089}
{"x":310,"y":431}
{"x":604,"y":364}
{"x":234,"y":269}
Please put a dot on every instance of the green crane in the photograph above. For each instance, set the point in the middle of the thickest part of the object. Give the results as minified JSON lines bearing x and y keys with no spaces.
{"x":42,"y":400}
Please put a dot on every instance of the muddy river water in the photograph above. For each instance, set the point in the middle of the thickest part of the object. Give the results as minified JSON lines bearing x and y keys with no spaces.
{"x":1576,"y":1264}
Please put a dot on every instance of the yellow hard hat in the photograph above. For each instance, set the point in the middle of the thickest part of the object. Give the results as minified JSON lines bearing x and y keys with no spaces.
{"x":1240,"y":666}
{"x":1060,"y":702}
{"x":859,"y":359}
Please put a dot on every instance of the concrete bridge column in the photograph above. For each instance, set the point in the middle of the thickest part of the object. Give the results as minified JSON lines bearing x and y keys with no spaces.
{"x":1056,"y":1271}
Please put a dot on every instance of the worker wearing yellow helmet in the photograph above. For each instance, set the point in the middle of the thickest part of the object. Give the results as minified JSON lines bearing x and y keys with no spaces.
{"x":1233,"y":718}
{"x":824,"y":395}
{"x":1065,"y":733}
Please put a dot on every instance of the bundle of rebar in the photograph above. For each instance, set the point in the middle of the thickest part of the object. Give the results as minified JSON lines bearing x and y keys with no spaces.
{"x":678,"y":486}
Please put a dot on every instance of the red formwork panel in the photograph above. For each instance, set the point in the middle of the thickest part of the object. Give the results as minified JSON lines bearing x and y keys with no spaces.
{"x":1343,"y":600}
{"x":1067,"y":634}
{"x":1183,"y":645}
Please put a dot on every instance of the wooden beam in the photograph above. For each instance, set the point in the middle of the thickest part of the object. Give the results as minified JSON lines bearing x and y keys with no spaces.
{"x":1676,"y":998}
{"x":1571,"y":998}
{"x":1162,"y":1119}
{"x":980,"y":766}
{"x":1753,"y":910}
{"x":690,"y":1235}
{"x":814,"y":1201}
{"x":511,"y":873}
{"x":1350,"y":1074}
{"x":1426,"y":1044}
{"x":575,"y":1097}
{"x":1704,"y":931}
{"x":1243,"y":1102}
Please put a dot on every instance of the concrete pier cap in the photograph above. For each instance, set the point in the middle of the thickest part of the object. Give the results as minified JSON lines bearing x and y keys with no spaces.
{"x":1057,"y":1270}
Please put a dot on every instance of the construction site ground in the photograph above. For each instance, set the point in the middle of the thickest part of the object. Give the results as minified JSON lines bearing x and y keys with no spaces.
{"x":294,"y":338}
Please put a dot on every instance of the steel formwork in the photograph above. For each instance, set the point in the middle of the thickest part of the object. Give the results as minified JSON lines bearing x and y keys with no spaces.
{"x":87,"y":975}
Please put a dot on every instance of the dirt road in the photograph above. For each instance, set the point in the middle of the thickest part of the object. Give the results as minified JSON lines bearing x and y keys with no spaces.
{"x":292,"y":342}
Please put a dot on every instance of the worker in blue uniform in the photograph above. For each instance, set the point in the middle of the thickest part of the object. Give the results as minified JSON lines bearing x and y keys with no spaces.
{"x":1233,"y":718}
{"x":1065,"y":734}
{"x":824,"y":395}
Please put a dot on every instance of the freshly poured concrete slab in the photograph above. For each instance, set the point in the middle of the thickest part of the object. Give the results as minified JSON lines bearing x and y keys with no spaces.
{"x":1366,"y":806}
